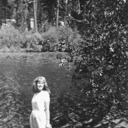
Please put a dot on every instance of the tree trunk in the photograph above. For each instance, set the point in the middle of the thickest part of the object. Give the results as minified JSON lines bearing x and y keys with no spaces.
{"x":35,"y":15}
{"x":66,"y":10}
{"x":22,"y":15}
{"x":57,"y":20}
{"x":1,"y":12}
{"x":57,"y":14}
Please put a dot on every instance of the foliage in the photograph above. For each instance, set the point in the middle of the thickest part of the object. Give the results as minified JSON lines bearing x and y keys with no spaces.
{"x":61,"y":39}
{"x":45,"y":27}
{"x":9,"y":103}
{"x":49,"y":7}
{"x":22,"y":11}
{"x":33,"y":42}
{"x":10,"y":37}
{"x":50,"y":39}
{"x":68,"y":38}
{"x":100,"y":77}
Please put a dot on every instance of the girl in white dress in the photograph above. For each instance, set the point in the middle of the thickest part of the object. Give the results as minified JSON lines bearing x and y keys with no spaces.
{"x":40,"y":115}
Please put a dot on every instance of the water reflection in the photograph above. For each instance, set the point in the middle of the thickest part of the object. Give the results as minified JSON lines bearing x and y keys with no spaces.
{"x":17,"y":72}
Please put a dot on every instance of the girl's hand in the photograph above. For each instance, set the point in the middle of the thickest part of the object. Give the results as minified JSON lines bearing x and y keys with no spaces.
{"x":49,"y":126}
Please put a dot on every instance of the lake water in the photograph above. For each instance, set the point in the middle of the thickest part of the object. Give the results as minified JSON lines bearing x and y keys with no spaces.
{"x":17,"y":71}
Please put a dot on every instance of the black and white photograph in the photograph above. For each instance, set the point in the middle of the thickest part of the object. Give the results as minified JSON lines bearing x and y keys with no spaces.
{"x":63,"y":63}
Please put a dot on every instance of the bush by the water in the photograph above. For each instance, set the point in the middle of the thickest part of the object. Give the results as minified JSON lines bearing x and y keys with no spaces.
{"x":33,"y":41}
{"x":10,"y":39}
{"x":61,"y":39}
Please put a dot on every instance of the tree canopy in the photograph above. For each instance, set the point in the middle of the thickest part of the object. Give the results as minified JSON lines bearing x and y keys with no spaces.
{"x":101,"y":63}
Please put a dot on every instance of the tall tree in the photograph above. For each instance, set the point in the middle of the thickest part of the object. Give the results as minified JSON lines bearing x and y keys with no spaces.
{"x":35,"y":15}
{"x":1,"y":13}
{"x":57,"y":13}
{"x":101,"y":72}
{"x":50,"y":7}
{"x":4,"y":2}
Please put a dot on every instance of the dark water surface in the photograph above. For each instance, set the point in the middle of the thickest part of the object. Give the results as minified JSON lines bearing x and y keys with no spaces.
{"x":17,"y":71}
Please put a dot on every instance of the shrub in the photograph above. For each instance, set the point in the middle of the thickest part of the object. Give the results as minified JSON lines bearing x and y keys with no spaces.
{"x":50,"y":39}
{"x":45,"y":27}
{"x":63,"y":38}
{"x":9,"y":36}
{"x":68,"y":38}
{"x":33,"y":42}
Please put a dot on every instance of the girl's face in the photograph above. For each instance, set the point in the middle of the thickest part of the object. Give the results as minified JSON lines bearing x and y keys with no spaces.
{"x":40,"y":85}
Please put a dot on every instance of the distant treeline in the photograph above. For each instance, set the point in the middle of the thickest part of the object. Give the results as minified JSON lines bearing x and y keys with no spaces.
{"x":53,"y":12}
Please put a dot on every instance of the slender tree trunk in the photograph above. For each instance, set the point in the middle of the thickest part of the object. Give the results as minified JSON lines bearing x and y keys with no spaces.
{"x":66,"y":10}
{"x":57,"y":13}
{"x":57,"y":19}
{"x":35,"y":15}
{"x":1,"y":12}
{"x":22,"y":15}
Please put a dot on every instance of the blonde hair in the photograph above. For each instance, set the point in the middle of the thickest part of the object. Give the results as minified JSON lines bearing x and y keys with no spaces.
{"x":38,"y":79}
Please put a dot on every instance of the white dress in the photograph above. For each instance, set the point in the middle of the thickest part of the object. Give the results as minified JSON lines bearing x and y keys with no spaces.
{"x":38,"y":116}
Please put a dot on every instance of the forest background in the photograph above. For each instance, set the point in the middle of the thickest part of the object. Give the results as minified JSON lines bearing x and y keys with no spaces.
{"x":93,"y":33}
